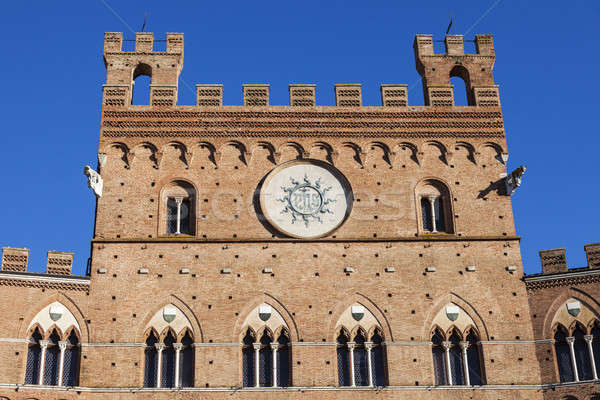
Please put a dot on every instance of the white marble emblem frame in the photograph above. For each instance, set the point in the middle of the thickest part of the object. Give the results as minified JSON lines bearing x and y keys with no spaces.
{"x":305,"y":199}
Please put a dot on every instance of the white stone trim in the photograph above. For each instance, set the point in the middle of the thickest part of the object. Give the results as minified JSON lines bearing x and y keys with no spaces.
{"x":44,"y":278}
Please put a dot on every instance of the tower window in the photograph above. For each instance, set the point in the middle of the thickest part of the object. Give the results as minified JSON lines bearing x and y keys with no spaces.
{"x":435,"y":207}
{"x":177,"y":208}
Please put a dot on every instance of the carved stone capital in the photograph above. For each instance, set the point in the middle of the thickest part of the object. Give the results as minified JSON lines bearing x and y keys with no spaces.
{"x":274,"y":346}
{"x":351,"y":345}
{"x":44,"y":343}
{"x":177,"y":346}
{"x":446,"y":345}
{"x":62,"y":345}
{"x":588,"y":338}
{"x":159,"y":346}
{"x":570,"y":340}
{"x":464,"y":345}
{"x":256,"y":346}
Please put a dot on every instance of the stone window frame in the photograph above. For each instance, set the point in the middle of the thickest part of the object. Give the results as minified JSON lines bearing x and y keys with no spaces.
{"x":178,"y":190}
{"x":446,"y":346}
{"x":369,"y":345}
{"x":590,"y":340}
{"x":446,"y":196}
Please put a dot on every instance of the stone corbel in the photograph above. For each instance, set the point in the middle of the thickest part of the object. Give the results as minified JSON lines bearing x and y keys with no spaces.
{"x":334,"y":155}
{"x":419,"y":155}
{"x":504,"y":158}
{"x":101,"y":160}
{"x":188,"y":159}
{"x":448,"y":156}
{"x":277,"y":157}
{"x":157,"y":158}
{"x":217,"y":157}
{"x":304,"y":154}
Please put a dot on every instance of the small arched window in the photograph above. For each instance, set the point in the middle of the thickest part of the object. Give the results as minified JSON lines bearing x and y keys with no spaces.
{"x":439,"y":360}
{"x":582,"y":355}
{"x":459,"y":78}
{"x":167,"y":365}
{"x":265,"y":363}
{"x":70,"y":376}
{"x":456,"y":360}
{"x":343,"y":359}
{"x":150,"y":360}
{"x":563,"y":355}
{"x":596,"y":346}
{"x":187,"y":361}
{"x":378,"y":356}
{"x":34,"y":351}
{"x":474,"y":363}
{"x":179,"y":199}
{"x":140,"y":84}
{"x":435,"y":208}
{"x":284,"y":378}
{"x":52,"y":354}
{"x":248,"y":362}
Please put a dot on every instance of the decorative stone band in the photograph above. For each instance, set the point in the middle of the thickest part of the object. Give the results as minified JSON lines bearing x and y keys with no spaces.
{"x":574,"y":278}
{"x":44,"y":281}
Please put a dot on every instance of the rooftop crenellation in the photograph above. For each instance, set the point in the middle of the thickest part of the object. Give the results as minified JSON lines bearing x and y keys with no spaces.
{"x":164,"y":67}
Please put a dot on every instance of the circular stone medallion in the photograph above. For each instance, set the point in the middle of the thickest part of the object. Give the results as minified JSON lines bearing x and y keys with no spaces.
{"x":305,"y":198}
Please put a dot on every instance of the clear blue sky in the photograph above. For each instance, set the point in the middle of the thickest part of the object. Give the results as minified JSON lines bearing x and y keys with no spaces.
{"x":547,"y":66}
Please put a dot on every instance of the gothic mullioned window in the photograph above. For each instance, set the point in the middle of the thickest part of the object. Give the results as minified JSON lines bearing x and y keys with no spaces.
{"x":266,"y":353}
{"x":266,"y":362}
{"x":577,"y":352}
{"x":434,"y":207}
{"x":53,"y":357}
{"x":360,"y":362}
{"x":169,"y":362}
{"x":456,"y":361}
{"x":169,"y":359}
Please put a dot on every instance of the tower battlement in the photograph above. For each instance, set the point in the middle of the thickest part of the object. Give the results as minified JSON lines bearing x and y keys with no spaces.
{"x":164,"y":67}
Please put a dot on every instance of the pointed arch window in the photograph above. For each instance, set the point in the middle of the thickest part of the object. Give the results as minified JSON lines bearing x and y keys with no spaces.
{"x":283,"y":360}
{"x":582,"y":355}
{"x":34,"y":353}
{"x":360,"y":362}
{"x":439,"y":359}
{"x":169,"y":363}
{"x":70,"y":362}
{"x":456,"y":362}
{"x":150,"y":360}
{"x":187,"y":361}
{"x":563,"y":355}
{"x":435,"y":207}
{"x":266,"y":362}
{"x":248,"y":362}
{"x":52,"y":354}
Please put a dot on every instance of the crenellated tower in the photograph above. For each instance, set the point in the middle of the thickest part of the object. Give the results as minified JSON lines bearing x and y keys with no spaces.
{"x":122,"y":67}
{"x":475,"y":69}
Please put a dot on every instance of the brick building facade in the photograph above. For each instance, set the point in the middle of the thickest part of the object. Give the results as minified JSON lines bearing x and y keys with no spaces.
{"x":301,"y":251}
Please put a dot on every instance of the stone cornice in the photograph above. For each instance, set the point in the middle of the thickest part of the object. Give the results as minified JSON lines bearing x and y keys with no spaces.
{"x":432,"y":238}
{"x":44,"y":281}
{"x":581,"y":277}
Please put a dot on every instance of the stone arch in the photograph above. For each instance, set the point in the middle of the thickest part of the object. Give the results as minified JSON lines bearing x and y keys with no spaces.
{"x":173,"y":151}
{"x":192,"y":321}
{"x":459,"y":71}
{"x":433,"y":186}
{"x":138,"y":73}
{"x":550,"y":319}
{"x":232,"y":153}
{"x":322,"y":151}
{"x":146,"y":151}
{"x":351,"y":154}
{"x":378,"y":152}
{"x":117,"y":151}
{"x":178,"y":187}
{"x":350,"y":299}
{"x":204,"y":154}
{"x":440,"y":149}
{"x":454,"y":298}
{"x":405,"y":152}
{"x":493,"y":151}
{"x":291,"y":151}
{"x":23,"y":329}
{"x":268,"y":299}
{"x":468,"y":148}
{"x":263,"y":150}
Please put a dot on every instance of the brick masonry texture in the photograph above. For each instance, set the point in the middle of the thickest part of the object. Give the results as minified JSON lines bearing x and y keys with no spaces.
{"x":222,"y":153}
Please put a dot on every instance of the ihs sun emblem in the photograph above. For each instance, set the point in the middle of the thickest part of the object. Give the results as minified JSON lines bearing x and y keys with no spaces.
{"x":306,"y":201}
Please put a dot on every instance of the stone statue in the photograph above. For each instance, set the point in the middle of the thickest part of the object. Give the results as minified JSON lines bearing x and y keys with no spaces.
{"x":94,"y":180}
{"x":513,"y":181}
